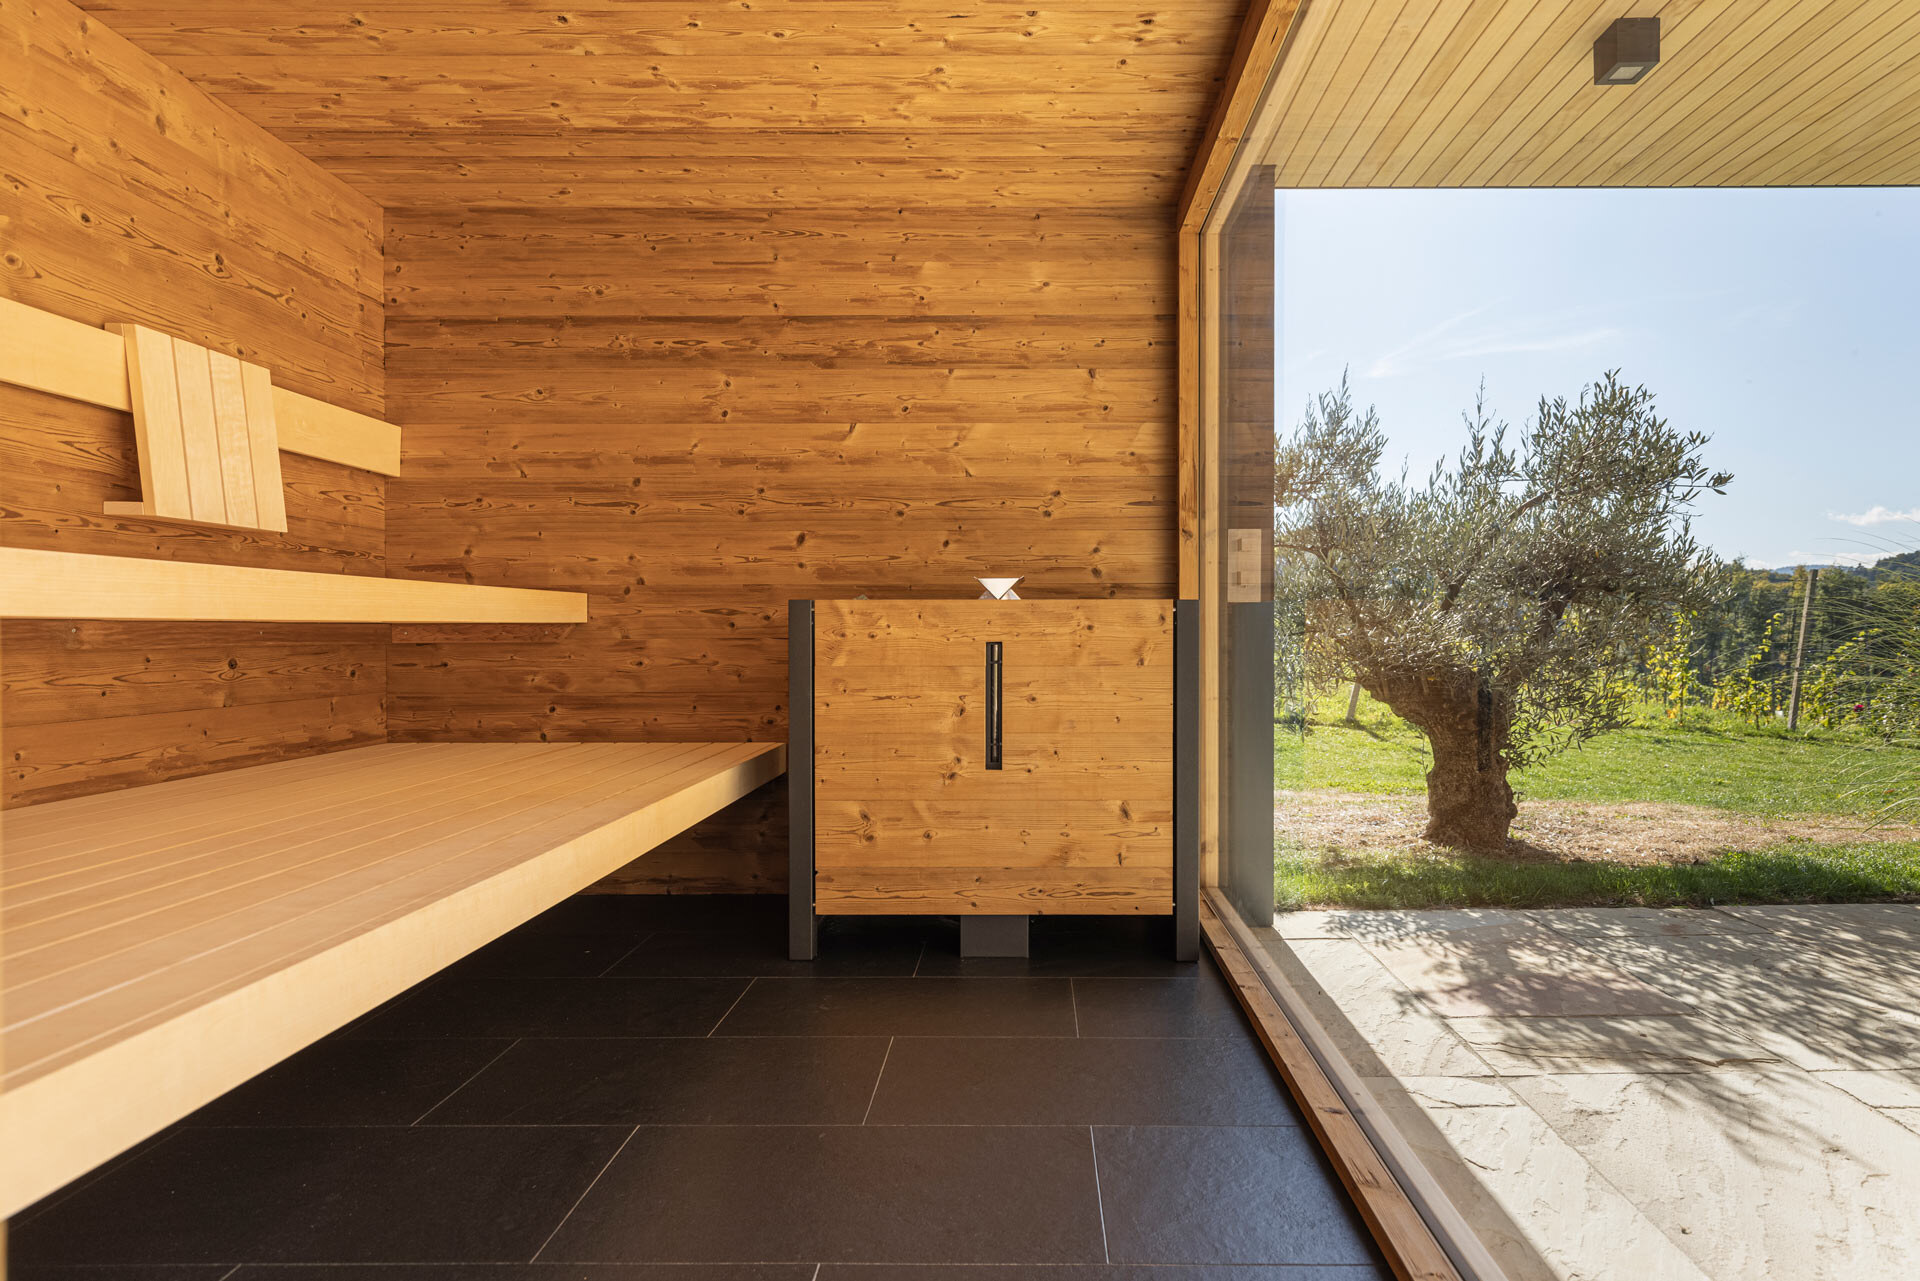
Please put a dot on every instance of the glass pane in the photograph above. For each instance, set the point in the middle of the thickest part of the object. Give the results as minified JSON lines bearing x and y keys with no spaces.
{"x":1245,"y":591}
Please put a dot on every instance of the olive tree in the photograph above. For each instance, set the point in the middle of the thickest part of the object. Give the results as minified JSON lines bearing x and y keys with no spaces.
{"x":1499,"y":606}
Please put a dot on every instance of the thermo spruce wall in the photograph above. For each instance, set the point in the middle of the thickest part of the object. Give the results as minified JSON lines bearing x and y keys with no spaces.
{"x":701,"y":308}
{"x":127,"y":194}
{"x":695,"y":416}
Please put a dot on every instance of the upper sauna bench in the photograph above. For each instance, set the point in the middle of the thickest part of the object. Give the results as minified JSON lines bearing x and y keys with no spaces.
{"x":162,"y":944}
{"x":46,"y":584}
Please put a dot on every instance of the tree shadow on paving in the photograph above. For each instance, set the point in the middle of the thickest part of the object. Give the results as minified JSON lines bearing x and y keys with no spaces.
{"x":1812,"y":988}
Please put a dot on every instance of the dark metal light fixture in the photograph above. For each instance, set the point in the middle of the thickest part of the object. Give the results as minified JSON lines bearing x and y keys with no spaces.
{"x":1626,"y":51}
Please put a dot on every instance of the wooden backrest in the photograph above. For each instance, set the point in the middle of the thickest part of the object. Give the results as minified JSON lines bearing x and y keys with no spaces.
{"x":204,"y":428}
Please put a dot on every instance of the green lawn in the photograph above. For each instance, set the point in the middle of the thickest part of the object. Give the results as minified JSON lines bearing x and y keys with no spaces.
{"x":1793,"y":873}
{"x":1715,"y":762}
{"x":1709,"y":760}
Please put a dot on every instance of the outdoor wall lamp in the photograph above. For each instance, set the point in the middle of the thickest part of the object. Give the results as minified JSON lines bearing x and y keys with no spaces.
{"x":1626,"y":51}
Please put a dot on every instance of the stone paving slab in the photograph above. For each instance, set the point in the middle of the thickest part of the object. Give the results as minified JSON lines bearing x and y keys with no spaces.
{"x":1633,"y":922}
{"x":1532,"y":1046}
{"x":1764,"y":1173}
{"x":1520,"y":970}
{"x":1383,"y":926}
{"x":1386,"y":1026}
{"x":1896,"y":1089}
{"x":1577,"y":1226}
{"x":1730,"y":1094}
{"x":1828,"y":923}
{"x":1843,"y":1005}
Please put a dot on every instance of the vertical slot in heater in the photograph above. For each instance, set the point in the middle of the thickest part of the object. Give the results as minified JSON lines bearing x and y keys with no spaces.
{"x":994,"y":683}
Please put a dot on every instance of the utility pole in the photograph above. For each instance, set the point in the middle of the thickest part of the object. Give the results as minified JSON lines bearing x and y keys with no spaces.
{"x":1800,"y":650}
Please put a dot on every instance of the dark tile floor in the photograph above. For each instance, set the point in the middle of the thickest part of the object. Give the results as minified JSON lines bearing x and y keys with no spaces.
{"x":637,"y":1089}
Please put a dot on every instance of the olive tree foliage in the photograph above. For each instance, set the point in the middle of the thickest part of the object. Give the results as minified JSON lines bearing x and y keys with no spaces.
{"x":1499,"y":606}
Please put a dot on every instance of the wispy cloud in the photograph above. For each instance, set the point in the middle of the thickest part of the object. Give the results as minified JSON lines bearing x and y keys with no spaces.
{"x":1876,"y":515}
{"x":1455,"y":339}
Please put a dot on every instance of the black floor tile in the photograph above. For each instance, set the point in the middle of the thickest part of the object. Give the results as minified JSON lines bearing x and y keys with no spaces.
{"x":750,"y":1079}
{"x":693,"y":1081}
{"x":1197,"y":1006}
{"x":528,"y":1272}
{"x":538,"y":953}
{"x":348,"y":1081}
{"x":1097,"y":1272}
{"x":876,"y":1194}
{"x":137,"y":1152}
{"x":859,"y":946}
{"x":340,"y":1195}
{"x":1063,"y":1081}
{"x":1068,"y":947}
{"x":1224,"y":1195}
{"x":514,"y":1007}
{"x":903,"y":1007}
{"x":641,"y":913}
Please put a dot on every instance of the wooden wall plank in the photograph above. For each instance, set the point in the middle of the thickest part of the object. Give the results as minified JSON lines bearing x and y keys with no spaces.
{"x":696,"y":416}
{"x":131,"y":196}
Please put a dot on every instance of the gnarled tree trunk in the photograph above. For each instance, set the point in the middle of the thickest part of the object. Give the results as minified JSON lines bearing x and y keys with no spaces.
{"x":1469,"y":801}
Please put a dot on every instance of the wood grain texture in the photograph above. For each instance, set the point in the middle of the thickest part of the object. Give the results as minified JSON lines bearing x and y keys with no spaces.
{"x":129,"y":195}
{"x":1482,"y":93}
{"x":702,"y":308}
{"x":43,"y":351}
{"x":201,"y":422}
{"x":856,"y":104}
{"x":215,"y":925}
{"x":1079,"y":818}
{"x":697,"y":416}
{"x":1264,"y":35}
{"x":56,"y":585}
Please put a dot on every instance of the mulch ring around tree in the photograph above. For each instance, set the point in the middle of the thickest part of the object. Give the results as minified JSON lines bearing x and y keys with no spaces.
{"x":1630,"y":832}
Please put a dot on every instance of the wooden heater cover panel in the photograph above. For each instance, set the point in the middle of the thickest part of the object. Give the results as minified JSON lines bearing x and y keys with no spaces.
{"x":909,"y":819}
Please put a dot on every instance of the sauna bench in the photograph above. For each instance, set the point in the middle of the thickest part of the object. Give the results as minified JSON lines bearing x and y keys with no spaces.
{"x":165,"y":943}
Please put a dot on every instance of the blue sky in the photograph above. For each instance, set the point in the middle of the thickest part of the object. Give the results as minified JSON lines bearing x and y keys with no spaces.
{"x":1785,"y":323}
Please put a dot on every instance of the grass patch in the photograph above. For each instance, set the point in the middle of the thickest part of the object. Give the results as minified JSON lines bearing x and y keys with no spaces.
{"x":1705,"y":759}
{"x":1710,"y":760}
{"x":1793,"y":873}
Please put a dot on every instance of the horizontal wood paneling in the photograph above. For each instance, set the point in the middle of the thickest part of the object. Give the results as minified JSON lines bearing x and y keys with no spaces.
{"x":740,"y":850}
{"x":701,"y":308}
{"x":856,"y":105}
{"x":127,"y":194}
{"x":695,"y":417}
{"x":663,"y":28}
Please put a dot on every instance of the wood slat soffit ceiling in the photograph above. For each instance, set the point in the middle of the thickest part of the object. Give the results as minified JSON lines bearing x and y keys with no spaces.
{"x":1087,"y":105}
{"x":1500,"y":93}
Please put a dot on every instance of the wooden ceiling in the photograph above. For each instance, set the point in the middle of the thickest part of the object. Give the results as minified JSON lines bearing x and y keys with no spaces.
{"x":698,"y":104}
{"x":1500,"y":93}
